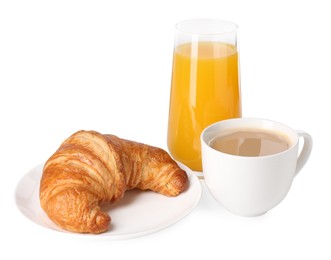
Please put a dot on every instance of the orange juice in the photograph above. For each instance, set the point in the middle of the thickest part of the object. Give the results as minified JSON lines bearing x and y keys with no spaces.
{"x":204,"y":89}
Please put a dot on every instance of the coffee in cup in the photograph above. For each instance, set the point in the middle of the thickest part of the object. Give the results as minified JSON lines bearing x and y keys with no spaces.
{"x":251,"y":142}
{"x":249,"y":164}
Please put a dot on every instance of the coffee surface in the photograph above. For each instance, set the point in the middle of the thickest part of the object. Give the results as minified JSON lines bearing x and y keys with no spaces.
{"x":252,"y":142}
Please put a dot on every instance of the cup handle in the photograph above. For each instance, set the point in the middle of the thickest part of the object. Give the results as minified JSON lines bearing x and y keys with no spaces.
{"x":305,"y":152}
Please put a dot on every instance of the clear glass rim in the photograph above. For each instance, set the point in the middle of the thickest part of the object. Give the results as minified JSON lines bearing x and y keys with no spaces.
{"x":208,"y":26}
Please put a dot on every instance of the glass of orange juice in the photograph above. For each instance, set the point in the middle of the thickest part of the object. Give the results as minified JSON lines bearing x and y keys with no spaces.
{"x":205,"y":85}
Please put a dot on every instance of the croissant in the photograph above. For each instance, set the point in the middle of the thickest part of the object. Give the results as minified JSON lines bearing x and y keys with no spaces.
{"x":90,"y":168}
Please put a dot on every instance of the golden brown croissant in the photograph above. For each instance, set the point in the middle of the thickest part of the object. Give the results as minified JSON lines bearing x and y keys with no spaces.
{"x":90,"y":168}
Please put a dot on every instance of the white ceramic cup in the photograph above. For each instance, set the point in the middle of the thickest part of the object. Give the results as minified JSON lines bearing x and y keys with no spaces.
{"x":250,"y":186}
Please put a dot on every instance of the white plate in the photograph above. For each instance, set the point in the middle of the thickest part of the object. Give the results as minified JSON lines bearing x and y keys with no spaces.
{"x":137,"y":214}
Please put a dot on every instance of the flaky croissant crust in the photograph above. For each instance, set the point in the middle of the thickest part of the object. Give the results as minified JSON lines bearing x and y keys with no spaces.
{"x":90,"y":168}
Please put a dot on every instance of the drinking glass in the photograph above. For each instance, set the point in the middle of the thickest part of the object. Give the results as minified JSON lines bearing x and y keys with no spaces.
{"x":205,"y":85}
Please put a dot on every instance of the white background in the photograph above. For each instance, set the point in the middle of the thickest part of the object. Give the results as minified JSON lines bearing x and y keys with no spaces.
{"x":106,"y":65}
